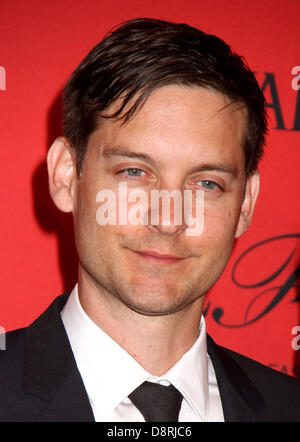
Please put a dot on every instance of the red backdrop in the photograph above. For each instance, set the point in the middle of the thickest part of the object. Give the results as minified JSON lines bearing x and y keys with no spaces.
{"x":255,"y":308}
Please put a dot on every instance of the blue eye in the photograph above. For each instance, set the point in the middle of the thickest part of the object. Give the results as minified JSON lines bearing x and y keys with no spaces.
{"x":134,"y":172}
{"x":208,"y":185}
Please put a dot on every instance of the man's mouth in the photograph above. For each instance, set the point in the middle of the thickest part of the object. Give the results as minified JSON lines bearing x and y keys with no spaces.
{"x":158,"y":258}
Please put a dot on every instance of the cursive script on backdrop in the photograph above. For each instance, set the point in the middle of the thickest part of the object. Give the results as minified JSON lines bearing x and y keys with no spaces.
{"x":268,"y":285}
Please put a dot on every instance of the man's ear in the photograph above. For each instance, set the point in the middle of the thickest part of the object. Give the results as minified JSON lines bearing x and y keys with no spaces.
{"x":247,"y":210}
{"x":61,"y":174}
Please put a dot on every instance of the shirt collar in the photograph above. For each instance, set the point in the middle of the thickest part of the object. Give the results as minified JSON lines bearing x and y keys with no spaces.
{"x":110,"y":374}
{"x":190,"y":374}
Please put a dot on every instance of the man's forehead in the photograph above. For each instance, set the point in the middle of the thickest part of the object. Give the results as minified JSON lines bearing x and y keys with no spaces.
{"x":227,"y":104}
{"x":177,"y":109}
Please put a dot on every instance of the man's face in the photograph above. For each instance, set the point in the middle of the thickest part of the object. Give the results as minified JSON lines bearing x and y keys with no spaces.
{"x":185,"y":138}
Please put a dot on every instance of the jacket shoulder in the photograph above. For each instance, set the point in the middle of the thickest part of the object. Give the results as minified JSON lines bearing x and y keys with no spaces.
{"x":12,"y":353}
{"x":11,"y":379}
{"x":16,"y":403}
{"x":259,"y":370}
{"x":280,"y":392}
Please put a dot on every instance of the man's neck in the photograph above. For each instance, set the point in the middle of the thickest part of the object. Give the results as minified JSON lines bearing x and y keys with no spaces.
{"x":155,"y":342}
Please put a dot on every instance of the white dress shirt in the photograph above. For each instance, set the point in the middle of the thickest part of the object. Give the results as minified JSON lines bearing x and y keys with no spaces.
{"x":110,"y":374}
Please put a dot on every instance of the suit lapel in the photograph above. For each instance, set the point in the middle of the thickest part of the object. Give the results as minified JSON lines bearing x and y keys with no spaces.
{"x":240,"y":399}
{"x":50,"y":371}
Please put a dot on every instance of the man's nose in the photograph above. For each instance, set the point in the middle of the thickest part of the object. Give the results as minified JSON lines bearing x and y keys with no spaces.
{"x":166,"y":211}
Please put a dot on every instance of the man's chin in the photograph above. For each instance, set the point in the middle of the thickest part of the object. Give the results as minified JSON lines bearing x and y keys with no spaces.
{"x":163,"y":305}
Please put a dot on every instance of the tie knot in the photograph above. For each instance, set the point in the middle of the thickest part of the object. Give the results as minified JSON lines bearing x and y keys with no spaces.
{"x":157,"y":403}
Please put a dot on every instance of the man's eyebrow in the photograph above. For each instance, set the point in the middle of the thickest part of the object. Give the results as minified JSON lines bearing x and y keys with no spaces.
{"x":109,"y":152}
{"x":218,"y":167}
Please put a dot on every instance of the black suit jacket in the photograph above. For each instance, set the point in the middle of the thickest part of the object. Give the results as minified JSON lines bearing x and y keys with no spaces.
{"x":40,"y":382}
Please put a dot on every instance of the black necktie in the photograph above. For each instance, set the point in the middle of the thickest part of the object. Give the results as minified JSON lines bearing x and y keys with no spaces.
{"x":156,"y":402}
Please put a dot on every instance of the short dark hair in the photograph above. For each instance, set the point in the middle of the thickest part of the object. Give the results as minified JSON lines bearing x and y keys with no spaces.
{"x":142,"y":55}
